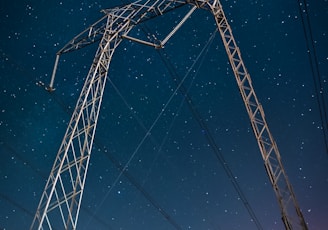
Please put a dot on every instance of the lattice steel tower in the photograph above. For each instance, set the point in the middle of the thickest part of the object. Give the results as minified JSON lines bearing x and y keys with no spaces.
{"x":61,"y":199}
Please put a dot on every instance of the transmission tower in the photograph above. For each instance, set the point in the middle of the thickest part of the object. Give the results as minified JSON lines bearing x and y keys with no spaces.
{"x":60,"y":202}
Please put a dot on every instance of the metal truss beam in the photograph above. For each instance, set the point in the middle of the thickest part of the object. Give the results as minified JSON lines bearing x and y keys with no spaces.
{"x":136,"y":13}
{"x":60,"y":202}
{"x":291,"y":214}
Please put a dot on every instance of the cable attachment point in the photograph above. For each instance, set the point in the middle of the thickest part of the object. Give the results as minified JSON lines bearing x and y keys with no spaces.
{"x":48,"y":88}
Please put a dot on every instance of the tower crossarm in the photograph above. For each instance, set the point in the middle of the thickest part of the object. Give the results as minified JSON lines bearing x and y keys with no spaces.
{"x":136,"y":12}
{"x":88,"y":36}
{"x":291,"y":214}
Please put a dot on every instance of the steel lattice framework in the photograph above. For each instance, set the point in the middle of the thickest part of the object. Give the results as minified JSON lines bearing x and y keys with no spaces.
{"x":61,"y":199}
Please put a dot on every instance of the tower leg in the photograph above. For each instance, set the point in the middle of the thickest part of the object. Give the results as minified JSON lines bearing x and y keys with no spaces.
{"x":61,"y":199}
{"x":290,"y":211}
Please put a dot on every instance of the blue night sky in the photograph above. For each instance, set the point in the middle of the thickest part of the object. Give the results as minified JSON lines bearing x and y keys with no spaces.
{"x":175,"y":167}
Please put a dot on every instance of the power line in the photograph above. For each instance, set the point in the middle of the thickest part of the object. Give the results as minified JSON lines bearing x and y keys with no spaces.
{"x":208,"y":135}
{"x":175,"y":77}
{"x":136,"y":184}
{"x":16,"y":204}
{"x":126,"y":173}
{"x":39,"y":173}
{"x":316,"y":76}
{"x":116,"y":163}
{"x":196,"y":114}
{"x":148,"y":131}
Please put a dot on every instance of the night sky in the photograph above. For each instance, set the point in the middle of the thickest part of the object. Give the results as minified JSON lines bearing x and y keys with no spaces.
{"x":175,"y":168}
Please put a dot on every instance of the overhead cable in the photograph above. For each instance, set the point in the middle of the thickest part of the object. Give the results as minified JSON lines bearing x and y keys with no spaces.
{"x":316,"y":76}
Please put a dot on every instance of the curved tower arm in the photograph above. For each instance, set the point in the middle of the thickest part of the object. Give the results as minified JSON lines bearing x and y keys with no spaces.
{"x":136,"y":12}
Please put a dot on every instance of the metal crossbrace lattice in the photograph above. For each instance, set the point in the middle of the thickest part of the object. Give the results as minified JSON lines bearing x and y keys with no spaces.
{"x":136,"y":13}
{"x":291,"y":213}
{"x":61,"y":200}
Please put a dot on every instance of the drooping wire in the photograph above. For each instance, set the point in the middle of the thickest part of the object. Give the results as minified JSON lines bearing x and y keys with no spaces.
{"x":67,"y":109}
{"x":116,"y":163}
{"x":13,"y":152}
{"x":316,"y":76}
{"x":141,"y":124}
{"x":16,"y":204}
{"x":209,"y":136}
{"x":196,"y":114}
{"x":125,"y":172}
{"x":119,"y":166}
{"x":203,"y":125}
{"x":159,"y":147}
{"x":164,"y":140}
{"x":8,"y":149}
{"x":148,"y":133}
{"x":128,"y":175}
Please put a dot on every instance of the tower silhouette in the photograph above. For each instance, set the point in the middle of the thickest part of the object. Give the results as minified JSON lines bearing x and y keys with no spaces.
{"x":60,"y":202}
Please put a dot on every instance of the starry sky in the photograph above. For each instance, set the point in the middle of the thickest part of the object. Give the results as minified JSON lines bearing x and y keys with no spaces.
{"x":175,"y":169}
